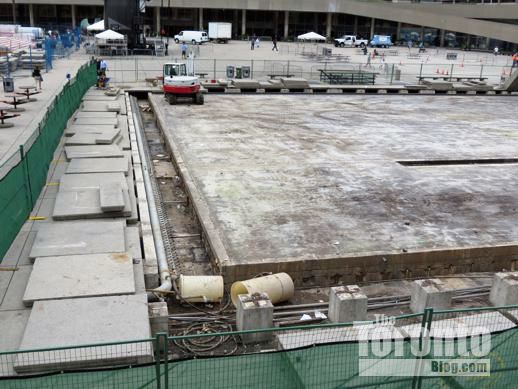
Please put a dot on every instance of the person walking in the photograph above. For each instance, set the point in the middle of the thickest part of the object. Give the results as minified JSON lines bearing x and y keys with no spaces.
{"x":103,"y":66}
{"x":515,"y":60}
{"x":184,"y":50}
{"x":257,"y":42}
{"x":252,"y":42}
{"x":274,"y":41}
{"x":495,"y":51}
{"x":36,"y":74}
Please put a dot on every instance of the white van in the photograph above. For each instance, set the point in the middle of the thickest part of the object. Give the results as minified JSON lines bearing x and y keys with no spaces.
{"x":191,"y":37}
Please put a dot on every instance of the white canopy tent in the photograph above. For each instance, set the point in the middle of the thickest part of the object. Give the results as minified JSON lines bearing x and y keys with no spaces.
{"x":109,"y":35}
{"x":99,"y":26}
{"x":311,"y":36}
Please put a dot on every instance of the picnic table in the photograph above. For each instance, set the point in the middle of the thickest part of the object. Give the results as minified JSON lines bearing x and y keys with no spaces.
{"x":27,"y":92}
{"x":15,"y":102}
{"x":347,"y":76}
{"x":202,"y":75}
{"x":4,"y":115}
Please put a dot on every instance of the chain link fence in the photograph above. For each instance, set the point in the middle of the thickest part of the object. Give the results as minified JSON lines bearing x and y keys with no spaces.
{"x":24,"y":174}
{"x":388,"y":72}
{"x":347,"y":355}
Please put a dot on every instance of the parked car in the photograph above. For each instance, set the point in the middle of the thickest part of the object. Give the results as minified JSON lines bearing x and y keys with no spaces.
{"x":194,"y":37}
{"x":381,"y":41}
{"x":350,"y":41}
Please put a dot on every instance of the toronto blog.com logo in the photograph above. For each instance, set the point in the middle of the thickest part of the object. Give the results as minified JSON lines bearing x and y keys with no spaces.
{"x":405,"y":351}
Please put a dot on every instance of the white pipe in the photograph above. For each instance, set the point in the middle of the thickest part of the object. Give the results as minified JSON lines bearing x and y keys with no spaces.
{"x":166,"y":283}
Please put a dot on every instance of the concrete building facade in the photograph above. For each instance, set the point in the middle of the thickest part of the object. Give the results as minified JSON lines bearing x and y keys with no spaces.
{"x":479,"y":25}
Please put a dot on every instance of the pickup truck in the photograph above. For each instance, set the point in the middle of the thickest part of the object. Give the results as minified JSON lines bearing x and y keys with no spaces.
{"x":350,"y":41}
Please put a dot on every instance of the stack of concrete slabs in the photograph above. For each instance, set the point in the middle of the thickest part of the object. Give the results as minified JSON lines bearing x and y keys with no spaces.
{"x":79,"y":237}
{"x":71,"y":322}
{"x":73,"y":276}
{"x":82,"y":114}
{"x":93,"y":151}
{"x":73,"y":129}
{"x":98,"y":165}
{"x":94,"y":120}
{"x":79,"y":196}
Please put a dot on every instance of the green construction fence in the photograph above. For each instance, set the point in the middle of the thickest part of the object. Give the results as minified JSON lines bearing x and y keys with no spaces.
{"x":24,"y":174}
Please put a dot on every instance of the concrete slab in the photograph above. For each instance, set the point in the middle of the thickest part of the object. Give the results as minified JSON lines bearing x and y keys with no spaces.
{"x":133,"y":241}
{"x":296,"y":339}
{"x":65,"y":277}
{"x":87,"y":129}
{"x":94,"y":120}
{"x":82,"y":114}
{"x":80,"y":237}
{"x":56,"y":323}
{"x":13,"y":297}
{"x":461,"y":325}
{"x":94,"y":106}
{"x":293,"y":187}
{"x":97,"y":151}
{"x":79,"y":196}
{"x":98,"y":165}
{"x":84,"y":204}
{"x":13,"y":326}
{"x":111,"y":197}
{"x":106,"y":137}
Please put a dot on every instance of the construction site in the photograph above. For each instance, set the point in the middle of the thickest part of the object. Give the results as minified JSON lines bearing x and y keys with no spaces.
{"x":246,"y":218}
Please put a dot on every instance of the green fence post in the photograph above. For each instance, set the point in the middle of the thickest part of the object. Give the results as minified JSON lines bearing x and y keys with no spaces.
{"x":163,"y":339}
{"x":157,"y":361}
{"x":426,"y":324}
{"x":27,"y":177}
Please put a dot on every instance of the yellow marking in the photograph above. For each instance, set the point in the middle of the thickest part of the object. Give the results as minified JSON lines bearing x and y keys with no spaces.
{"x":58,"y":161}
{"x":52,"y":183}
{"x":37,"y":218}
{"x":8,"y":268}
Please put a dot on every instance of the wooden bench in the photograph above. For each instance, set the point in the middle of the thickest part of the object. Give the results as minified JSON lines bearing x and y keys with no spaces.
{"x":275,"y":75}
{"x":347,"y":76}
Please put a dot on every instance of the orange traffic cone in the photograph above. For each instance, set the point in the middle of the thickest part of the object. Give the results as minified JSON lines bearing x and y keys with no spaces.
{"x":462,"y":65}
{"x":446,"y":72}
{"x":442,"y":72}
{"x":437,"y":71}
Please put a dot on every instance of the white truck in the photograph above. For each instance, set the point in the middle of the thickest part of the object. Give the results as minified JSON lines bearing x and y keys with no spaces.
{"x":351,"y":41}
{"x":220,"y":32}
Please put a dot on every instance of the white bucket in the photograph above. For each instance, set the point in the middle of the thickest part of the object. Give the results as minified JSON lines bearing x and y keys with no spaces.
{"x":201,"y":289}
{"x":279,"y":287}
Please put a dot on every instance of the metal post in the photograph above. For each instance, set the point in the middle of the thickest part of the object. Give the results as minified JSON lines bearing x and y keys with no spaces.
{"x":392,"y":72}
{"x":27,"y":177}
{"x":481,"y":70}
{"x":424,"y":337}
{"x":288,"y":71}
{"x":136,"y":69}
{"x":252,"y":69}
{"x":451,"y":71}
{"x":214,"y":70}
{"x":157,"y":361}
{"x":421,"y":72}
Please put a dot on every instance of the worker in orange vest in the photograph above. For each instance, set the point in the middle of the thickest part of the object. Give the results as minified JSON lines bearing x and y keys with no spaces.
{"x":515,"y":59}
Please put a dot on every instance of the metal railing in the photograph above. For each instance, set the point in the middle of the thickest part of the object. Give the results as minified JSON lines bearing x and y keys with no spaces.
{"x":312,"y":356}
{"x":389,"y":71}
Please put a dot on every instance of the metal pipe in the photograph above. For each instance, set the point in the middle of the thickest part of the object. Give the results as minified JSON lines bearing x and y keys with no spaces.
{"x":166,"y":283}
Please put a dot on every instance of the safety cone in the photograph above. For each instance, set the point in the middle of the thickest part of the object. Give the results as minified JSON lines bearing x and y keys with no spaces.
{"x":437,"y":71}
{"x":462,"y":65}
{"x":442,"y":72}
{"x":446,"y":72}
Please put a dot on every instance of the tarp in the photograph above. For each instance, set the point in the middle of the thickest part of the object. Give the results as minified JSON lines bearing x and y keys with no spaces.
{"x":99,"y":26}
{"x":109,"y":34}
{"x":311,"y":36}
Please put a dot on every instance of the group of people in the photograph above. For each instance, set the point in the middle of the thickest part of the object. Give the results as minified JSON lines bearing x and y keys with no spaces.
{"x":255,"y":42}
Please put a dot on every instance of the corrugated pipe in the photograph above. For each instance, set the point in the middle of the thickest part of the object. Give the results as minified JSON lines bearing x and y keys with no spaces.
{"x":166,"y":282}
